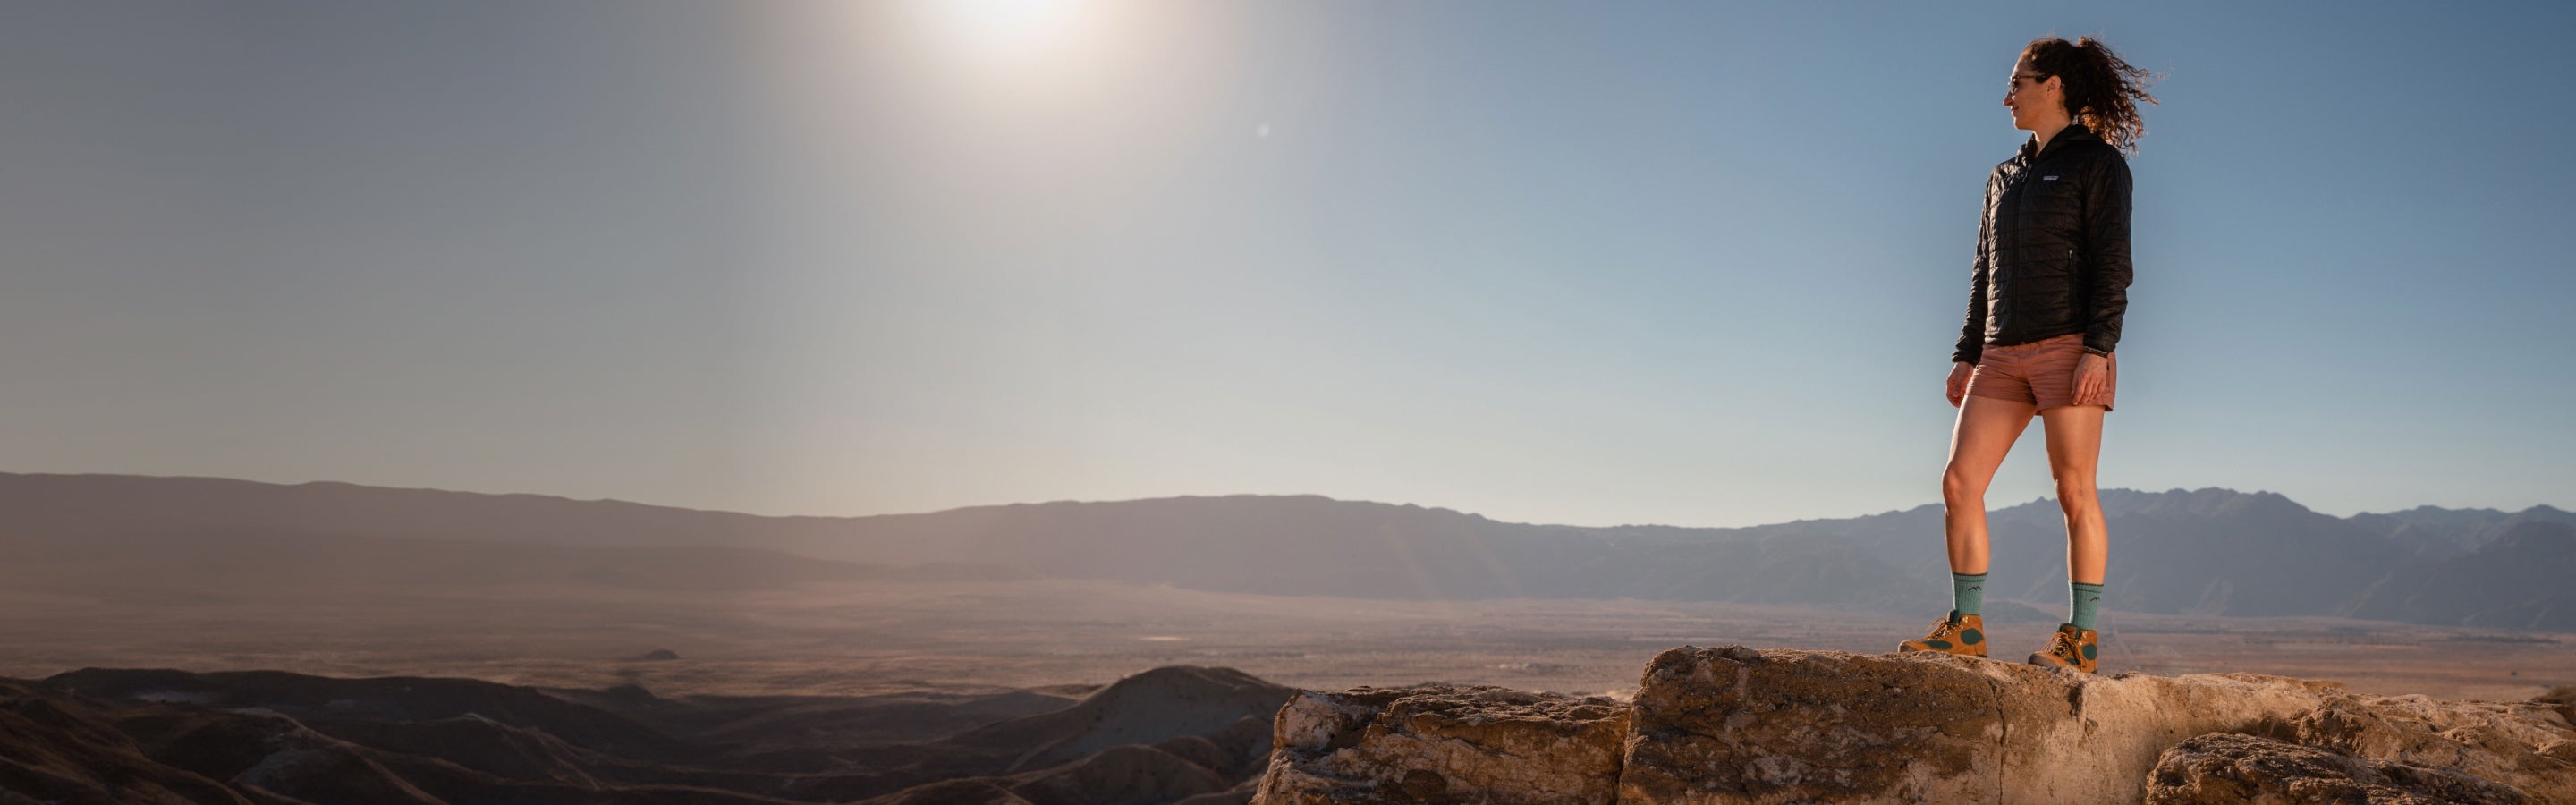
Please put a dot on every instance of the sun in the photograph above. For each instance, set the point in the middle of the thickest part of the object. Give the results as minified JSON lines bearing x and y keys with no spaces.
{"x":1003,"y":30}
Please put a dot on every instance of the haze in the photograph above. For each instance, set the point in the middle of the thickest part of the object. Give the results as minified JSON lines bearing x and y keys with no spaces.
{"x":1695,"y":265}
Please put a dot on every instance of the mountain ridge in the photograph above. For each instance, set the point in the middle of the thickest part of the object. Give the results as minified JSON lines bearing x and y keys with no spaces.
{"x":2107,"y":493}
{"x":2209,"y":551}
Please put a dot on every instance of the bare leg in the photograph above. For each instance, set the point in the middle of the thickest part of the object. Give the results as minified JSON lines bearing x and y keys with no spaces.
{"x":1984,"y":432}
{"x":2074,"y":446}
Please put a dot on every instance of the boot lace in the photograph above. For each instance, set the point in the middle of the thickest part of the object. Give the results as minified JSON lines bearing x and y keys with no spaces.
{"x":2062,"y":645}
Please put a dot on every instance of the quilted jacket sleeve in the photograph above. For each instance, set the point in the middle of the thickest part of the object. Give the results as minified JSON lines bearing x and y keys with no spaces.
{"x":1972,"y":336}
{"x":2106,"y":238}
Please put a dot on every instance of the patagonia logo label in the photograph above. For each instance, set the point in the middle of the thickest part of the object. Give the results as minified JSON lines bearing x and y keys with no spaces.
{"x":2049,"y":178}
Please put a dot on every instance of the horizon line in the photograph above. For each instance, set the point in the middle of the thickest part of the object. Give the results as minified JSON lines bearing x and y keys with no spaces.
{"x":2040,"y":499}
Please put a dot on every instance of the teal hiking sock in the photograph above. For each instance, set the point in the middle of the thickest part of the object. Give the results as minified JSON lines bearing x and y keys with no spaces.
{"x":1967,"y":593}
{"x":2086,"y":598}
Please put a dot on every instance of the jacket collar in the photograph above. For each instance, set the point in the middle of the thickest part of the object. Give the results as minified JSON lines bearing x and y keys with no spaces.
{"x":2072,"y":133}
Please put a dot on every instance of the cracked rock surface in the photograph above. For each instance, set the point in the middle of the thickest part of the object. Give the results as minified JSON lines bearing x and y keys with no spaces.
{"x":1740,"y":725}
{"x":2223,"y":769}
{"x":1441,"y":743}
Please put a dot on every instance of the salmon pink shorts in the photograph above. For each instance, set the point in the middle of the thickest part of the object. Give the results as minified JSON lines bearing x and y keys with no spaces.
{"x":2041,"y":372}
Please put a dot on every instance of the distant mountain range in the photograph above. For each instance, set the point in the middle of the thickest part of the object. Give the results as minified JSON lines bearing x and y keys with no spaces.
{"x":2208,"y":551}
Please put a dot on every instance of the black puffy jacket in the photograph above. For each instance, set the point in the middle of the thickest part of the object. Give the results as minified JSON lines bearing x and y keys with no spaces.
{"x":2053,"y":250}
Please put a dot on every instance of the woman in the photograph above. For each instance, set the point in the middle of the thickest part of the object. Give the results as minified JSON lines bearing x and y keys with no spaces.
{"x":2050,"y":287}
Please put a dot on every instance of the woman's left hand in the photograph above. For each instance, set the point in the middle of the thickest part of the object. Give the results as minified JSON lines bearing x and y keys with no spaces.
{"x":2092,"y":373}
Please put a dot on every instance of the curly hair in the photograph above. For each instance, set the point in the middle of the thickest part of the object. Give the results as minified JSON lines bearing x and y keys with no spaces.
{"x":2102,"y":91}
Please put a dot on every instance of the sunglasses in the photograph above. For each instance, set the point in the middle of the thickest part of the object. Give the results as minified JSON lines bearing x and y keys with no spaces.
{"x":2016,"y":81}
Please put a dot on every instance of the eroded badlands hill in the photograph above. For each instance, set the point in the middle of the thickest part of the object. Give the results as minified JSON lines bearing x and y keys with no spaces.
{"x":134,"y":736}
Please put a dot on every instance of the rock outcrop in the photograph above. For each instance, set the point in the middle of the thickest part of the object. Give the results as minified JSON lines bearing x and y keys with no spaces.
{"x":1740,"y":725}
{"x":1480,"y":744}
{"x":2228,"y":769}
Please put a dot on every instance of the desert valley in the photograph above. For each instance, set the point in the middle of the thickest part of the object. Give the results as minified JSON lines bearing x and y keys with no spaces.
{"x":823,"y":637}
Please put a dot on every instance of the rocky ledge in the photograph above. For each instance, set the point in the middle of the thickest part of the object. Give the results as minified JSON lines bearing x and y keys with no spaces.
{"x":1741,"y":725}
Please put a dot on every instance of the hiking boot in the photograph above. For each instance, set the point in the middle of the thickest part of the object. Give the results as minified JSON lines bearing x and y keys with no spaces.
{"x":1964,"y":635}
{"x":2070,"y":648}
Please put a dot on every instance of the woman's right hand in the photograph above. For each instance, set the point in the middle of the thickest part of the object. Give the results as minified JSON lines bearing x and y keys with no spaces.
{"x":1959,"y":371}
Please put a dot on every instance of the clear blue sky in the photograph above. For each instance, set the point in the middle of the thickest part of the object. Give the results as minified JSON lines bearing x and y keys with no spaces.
{"x":1695,"y":264}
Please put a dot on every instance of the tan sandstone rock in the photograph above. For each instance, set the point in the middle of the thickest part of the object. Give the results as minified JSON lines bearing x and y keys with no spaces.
{"x":1739,"y":725}
{"x":1733,"y":724}
{"x":1440,"y":743}
{"x":2224,"y":769}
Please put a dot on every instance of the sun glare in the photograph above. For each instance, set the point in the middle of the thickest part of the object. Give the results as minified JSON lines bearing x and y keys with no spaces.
{"x":1003,"y":30}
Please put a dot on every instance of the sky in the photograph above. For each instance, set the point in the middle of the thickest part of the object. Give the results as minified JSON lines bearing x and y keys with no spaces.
{"x":1695,"y":264}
